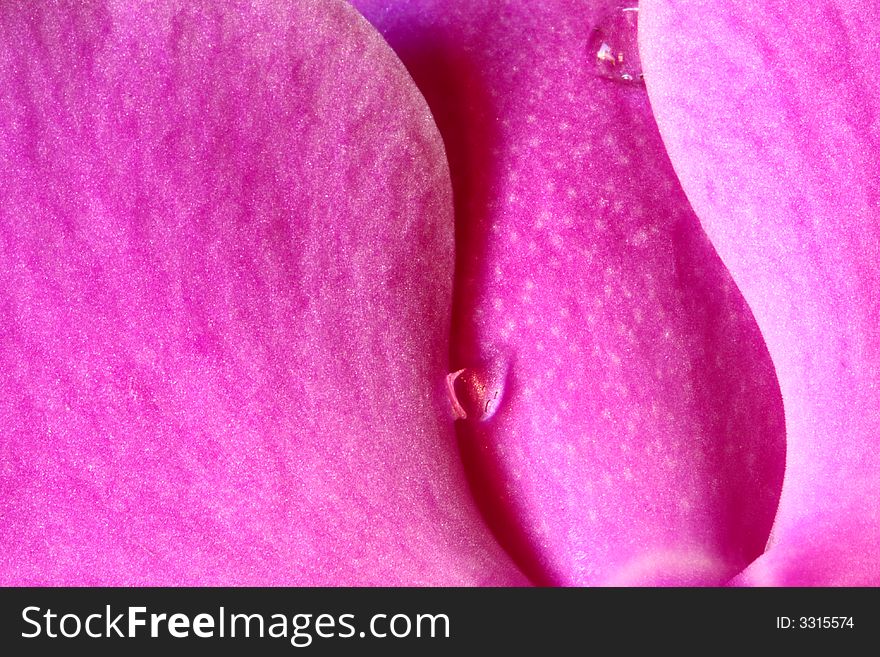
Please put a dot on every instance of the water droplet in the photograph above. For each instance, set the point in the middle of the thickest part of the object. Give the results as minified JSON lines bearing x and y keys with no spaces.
{"x":475,"y":393}
{"x":614,"y":44}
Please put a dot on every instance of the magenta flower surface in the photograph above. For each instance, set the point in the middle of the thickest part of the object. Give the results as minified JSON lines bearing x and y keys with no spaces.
{"x":777,"y":147}
{"x":637,"y":437}
{"x":439,"y":292}
{"x":227,"y":265}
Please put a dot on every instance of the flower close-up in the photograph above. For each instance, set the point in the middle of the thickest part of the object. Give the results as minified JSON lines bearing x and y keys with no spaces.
{"x":439,"y":293}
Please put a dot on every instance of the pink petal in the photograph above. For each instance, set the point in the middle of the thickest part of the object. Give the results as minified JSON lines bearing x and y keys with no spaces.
{"x":225,"y":273}
{"x":769,"y":112}
{"x":631,"y":427}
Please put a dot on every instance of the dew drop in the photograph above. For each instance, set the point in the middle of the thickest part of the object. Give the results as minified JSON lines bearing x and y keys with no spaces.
{"x":475,"y":393}
{"x":614,"y":47}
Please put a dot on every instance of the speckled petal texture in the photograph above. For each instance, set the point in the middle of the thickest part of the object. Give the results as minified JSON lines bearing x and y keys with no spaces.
{"x":226,"y":260}
{"x":770,"y":110}
{"x":637,"y":436}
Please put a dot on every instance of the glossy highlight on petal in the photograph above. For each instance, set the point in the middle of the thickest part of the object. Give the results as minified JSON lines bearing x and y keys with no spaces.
{"x":477,"y":392}
{"x":613,"y":43}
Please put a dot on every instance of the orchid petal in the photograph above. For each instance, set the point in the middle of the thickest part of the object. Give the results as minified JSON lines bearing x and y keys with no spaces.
{"x":769,"y":111}
{"x":625,"y":425}
{"x":226,"y":261}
